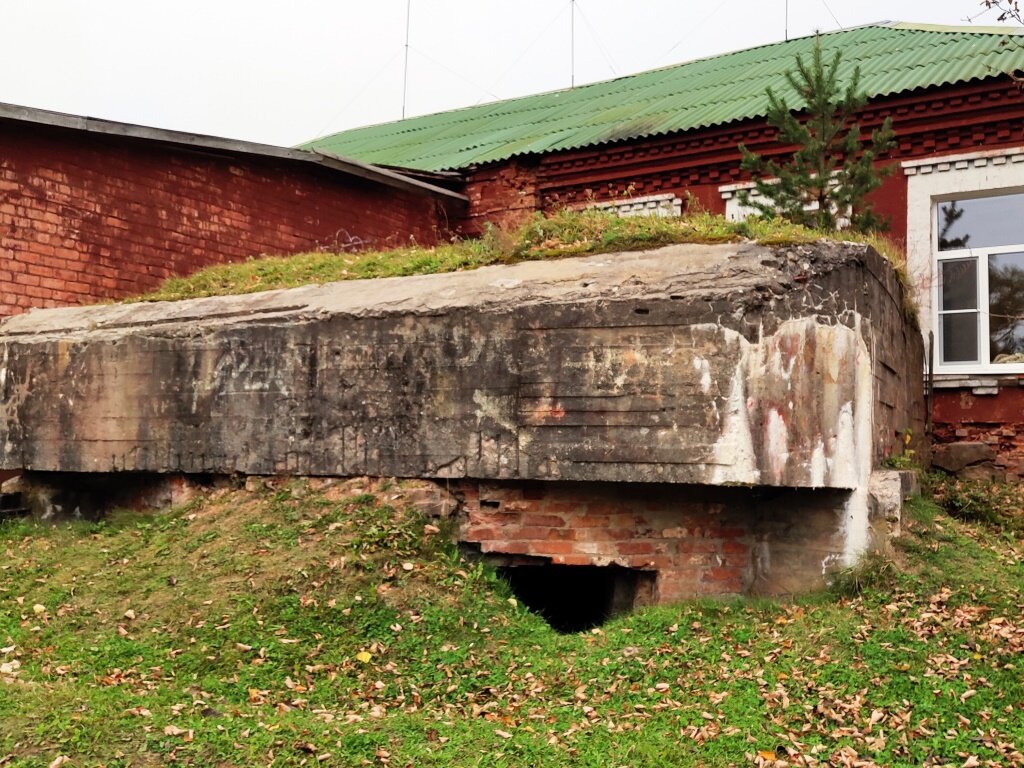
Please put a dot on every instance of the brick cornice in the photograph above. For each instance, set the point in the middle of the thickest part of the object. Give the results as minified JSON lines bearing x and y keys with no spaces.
{"x":949,"y":119}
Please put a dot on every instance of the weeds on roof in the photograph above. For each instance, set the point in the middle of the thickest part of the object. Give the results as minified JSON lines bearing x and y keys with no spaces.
{"x":544,"y":236}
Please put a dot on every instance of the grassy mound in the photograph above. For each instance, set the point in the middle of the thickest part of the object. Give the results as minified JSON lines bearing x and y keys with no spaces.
{"x":565,"y":233}
{"x":997,"y":504}
{"x":324,"y":623}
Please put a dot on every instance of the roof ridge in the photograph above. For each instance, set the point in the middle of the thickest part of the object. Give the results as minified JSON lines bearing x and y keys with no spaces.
{"x":586,"y":86}
{"x":955,"y":28}
{"x":899,"y":56}
{"x":907,"y":25}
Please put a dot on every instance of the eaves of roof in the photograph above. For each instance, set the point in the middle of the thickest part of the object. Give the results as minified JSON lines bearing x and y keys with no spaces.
{"x":893,"y":57}
{"x":200,"y":142}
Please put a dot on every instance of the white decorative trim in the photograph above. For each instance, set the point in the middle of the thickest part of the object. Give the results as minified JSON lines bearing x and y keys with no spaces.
{"x":666,"y":204}
{"x":734,"y":210}
{"x":963,"y":161}
{"x":979,"y":385}
{"x":729,"y":190}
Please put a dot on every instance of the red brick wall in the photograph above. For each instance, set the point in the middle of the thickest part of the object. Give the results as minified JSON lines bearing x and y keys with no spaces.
{"x":961,"y":416}
{"x":699,"y":540}
{"x":502,"y":194}
{"x":86,"y":217}
{"x":928,"y":122}
{"x":890,"y":202}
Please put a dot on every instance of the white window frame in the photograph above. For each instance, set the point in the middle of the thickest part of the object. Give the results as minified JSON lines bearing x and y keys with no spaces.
{"x":980,"y":257}
{"x":937,"y":180}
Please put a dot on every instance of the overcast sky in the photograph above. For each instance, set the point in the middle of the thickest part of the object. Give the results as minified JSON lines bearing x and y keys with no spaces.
{"x":284,"y":72}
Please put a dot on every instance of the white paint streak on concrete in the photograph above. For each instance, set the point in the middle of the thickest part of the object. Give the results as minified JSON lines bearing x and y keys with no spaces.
{"x":777,"y":445}
{"x":856,"y":523}
{"x":783,"y":364}
{"x":735,"y":460}
{"x":9,"y":447}
{"x":703,"y":367}
{"x":819,"y":465}
{"x":844,"y":453}
{"x":496,"y":409}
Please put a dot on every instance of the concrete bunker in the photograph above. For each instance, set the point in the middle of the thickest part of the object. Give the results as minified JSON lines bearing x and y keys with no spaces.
{"x":691,"y":412}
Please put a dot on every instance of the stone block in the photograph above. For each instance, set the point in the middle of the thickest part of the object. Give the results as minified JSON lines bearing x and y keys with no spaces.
{"x":887,"y":491}
{"x":953,"y":457}
{"x":986,"y":470}
{"x":431,"y":499}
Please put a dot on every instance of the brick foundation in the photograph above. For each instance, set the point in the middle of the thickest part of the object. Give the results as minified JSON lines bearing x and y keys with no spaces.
{"x":699,"y":540}
{"x":997,"y":420}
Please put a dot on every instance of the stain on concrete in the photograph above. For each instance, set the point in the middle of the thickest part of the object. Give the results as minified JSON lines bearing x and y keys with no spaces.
{"x":695,"y":364}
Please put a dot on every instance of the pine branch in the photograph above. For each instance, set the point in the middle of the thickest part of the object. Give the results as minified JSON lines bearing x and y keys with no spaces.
{"x":830,"y":172}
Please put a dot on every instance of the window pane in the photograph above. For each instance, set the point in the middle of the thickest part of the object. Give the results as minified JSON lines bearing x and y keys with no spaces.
{"x":959,"y":287}
{"x":960,"y":338}
{"x":1006,"y":307}
{"x":981,"y":223}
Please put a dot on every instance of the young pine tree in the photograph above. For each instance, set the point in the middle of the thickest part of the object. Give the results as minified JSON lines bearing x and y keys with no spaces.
{"x":829,"y":166}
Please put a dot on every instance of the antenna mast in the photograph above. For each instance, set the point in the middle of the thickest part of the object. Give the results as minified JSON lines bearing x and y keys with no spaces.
{"x":787,"y":20}
{"x":572,"y":43}
{"x":405,"y":76}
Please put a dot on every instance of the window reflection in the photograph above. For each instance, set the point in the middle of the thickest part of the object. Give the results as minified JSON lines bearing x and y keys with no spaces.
{"x":1006,"y":307}
{"x":958,"y":305}
{"x":959,"y":284}
{"x":982,"y":222}
{"x":960,"y":338}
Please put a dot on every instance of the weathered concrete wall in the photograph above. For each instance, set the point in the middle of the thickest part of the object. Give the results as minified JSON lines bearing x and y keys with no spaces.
{"x":629,"y":382}
{"x":691,"y":364}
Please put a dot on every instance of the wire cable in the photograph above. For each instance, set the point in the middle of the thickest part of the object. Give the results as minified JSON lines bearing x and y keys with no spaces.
{"x":514,"y":64}
{"x":359,"y":94}
{"x":838,"y":23}
{"x":593,"y":33}
{"x":458,"y":74}
{"x":694,"y":28}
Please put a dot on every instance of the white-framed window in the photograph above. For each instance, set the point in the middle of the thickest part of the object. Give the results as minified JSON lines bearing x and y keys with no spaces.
{"x":978,"y":246}
{"x":966,"y":290}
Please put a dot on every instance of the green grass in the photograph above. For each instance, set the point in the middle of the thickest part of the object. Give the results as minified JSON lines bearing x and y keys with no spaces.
{"x":1000,"y":505}
{"x":564,"y":233}
{"x":281,"y":627}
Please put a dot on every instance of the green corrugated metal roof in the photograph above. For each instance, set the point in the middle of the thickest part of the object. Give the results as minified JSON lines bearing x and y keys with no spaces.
{"x":893,"y":57}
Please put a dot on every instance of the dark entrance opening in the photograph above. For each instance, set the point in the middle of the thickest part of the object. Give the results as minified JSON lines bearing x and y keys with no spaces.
{"x":575,"y":598}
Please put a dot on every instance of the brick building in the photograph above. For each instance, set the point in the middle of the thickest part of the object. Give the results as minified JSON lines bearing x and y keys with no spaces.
{"x":92,"y":209}
{"x":657,"y":141}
